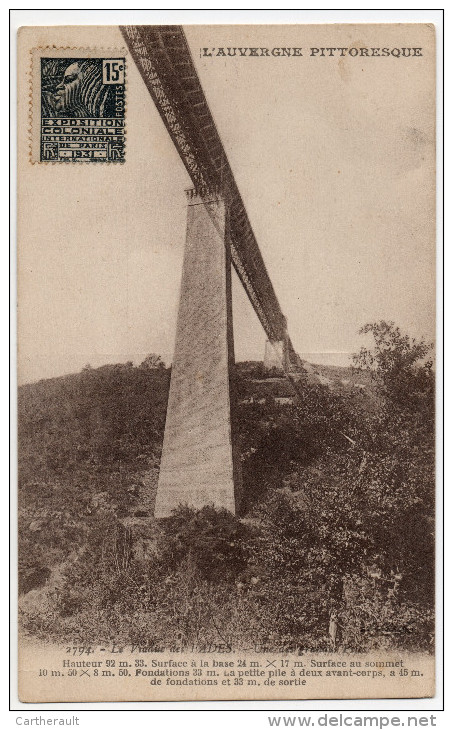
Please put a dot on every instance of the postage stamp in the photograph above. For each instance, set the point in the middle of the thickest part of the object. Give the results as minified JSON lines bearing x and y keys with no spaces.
{"x":82,"y":108}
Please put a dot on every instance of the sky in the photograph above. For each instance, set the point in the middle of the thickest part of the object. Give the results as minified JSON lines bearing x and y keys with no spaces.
{"x":334,"y":161}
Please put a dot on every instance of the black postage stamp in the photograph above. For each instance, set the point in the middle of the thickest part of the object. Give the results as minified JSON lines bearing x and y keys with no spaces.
{"x":82,"y":109}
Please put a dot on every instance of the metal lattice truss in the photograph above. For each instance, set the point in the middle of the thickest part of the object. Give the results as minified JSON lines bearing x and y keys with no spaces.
{"x":163,"y":58}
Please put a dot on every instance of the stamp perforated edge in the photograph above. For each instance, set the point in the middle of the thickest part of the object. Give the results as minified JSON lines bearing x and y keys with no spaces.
{"x":34,"y":94}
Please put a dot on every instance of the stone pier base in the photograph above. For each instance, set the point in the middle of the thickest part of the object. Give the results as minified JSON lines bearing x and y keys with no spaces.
{"x":274,"y":355}
{"x":200,"y":464}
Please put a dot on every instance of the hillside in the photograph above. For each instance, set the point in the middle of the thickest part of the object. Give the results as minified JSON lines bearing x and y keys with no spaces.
{"x":317,"y":521}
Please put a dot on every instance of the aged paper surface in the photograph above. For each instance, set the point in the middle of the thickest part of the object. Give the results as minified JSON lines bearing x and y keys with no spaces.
{"x":197,"y":522}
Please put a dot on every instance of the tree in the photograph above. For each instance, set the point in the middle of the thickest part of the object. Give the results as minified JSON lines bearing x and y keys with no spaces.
{"x":398,"y":446}
{"x":152,"y":362}
{"x":399,"y":363}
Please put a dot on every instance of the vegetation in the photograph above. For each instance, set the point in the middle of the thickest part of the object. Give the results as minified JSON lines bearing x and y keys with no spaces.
{"x":337,"y":515}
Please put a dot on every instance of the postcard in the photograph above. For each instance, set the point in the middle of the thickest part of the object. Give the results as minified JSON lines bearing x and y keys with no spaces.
{"x":226,"y":364}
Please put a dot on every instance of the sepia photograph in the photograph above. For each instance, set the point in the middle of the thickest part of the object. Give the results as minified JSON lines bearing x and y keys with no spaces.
{"x":226,"y":361}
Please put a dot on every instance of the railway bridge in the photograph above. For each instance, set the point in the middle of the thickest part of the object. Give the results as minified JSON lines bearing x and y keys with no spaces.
{"x":200,"y":459}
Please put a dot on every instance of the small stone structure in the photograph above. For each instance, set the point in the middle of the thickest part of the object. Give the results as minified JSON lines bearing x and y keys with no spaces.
{"x":274,"y":354}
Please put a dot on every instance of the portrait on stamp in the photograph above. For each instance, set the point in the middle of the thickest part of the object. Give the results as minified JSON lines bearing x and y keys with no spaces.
{"x":82,"y":109}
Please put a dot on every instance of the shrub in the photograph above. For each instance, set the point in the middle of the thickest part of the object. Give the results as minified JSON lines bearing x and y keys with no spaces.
{"x":210,"y":541}
{"x":33,"y":577}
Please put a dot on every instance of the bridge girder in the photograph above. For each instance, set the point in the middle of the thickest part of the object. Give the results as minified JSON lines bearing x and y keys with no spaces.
{"x":163,"y":58}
